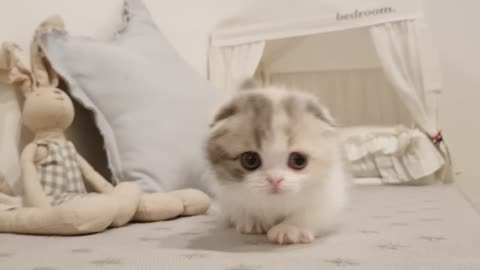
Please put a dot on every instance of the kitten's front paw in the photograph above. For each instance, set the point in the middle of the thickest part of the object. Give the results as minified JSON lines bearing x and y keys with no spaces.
{"x":250,"y":228}
{"x":289,"y":234}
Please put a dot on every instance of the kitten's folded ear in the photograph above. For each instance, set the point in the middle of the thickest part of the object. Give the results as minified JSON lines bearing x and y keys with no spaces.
{"x":321,"y":112}
{"x":249,"y":84}
{"x":224,"y":113}
{"x":230,"y":108}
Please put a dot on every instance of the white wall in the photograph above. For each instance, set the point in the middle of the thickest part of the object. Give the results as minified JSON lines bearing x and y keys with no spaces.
{"x":455,"y":27}
{"x":186,"y":23}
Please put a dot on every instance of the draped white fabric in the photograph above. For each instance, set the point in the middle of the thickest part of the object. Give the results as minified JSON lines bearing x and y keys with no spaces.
{"x":398,"y":47}
{"x":230,"y":65}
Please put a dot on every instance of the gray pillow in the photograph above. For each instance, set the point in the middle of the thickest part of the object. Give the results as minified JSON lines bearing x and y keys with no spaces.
{"x":150,"y":106}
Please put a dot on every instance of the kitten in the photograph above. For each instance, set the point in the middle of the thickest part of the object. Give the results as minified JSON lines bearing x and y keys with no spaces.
{"x":278,"y":166}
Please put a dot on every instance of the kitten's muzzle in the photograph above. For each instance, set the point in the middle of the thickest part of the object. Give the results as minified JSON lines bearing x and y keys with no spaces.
{"x":275,"y":183}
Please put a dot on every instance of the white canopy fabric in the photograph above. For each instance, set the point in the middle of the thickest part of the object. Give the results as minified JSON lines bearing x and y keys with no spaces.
{"x":277,"y":19}
{"x":398,"y":35}
{"x":274,"y":20}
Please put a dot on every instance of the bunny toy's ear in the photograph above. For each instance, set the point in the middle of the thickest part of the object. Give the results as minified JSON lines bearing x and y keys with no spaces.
{"x":42,"y":71}
{"x":12,"y":70}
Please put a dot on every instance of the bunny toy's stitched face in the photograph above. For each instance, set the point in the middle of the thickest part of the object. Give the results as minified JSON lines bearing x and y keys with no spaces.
{"x":47,"y":108}
{"x":271,"y":141}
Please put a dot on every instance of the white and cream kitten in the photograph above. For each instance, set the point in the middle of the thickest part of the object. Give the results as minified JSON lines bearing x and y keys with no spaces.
{"x":278,"y":165}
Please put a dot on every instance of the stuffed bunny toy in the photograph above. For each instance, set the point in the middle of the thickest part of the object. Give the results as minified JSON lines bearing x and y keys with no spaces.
{"x":55,"y":176}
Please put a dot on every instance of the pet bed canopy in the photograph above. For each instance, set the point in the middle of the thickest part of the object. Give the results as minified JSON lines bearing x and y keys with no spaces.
{"x":380,"y":45}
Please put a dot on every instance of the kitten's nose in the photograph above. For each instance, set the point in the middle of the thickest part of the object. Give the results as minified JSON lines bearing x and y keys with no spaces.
{"x":275,"y":181}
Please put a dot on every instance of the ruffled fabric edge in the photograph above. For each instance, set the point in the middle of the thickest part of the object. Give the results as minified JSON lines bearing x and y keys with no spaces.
{"x":393,"y":154}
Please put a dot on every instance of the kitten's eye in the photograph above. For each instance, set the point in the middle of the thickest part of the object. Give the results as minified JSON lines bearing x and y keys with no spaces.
{"x":250,"y":161}
{"x":297,"y":161}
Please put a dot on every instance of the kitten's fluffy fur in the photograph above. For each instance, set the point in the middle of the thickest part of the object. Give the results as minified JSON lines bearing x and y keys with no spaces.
{"x":275,"y":122}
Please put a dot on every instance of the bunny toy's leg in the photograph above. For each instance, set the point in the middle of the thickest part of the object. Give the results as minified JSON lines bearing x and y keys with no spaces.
{"x":127,"y":197}
{"x":163,"y":206}
{"x":90,"y":214}
{"x":194,"y":201}
{"x":157,"y":207}
{"x":145,"y":207}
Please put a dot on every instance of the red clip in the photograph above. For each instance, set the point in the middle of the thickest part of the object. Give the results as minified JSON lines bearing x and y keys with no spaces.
{"x":438,"y":138}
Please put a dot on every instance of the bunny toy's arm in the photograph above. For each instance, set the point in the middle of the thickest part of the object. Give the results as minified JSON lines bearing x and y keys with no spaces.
{"x":33,"y":195}
{"x":92,"y":177}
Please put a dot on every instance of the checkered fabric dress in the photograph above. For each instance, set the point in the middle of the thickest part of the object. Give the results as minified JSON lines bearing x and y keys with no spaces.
{"x":60,"y":174}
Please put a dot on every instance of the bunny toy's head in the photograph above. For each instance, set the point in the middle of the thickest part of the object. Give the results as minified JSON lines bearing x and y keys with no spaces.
{"x":46,"y":108}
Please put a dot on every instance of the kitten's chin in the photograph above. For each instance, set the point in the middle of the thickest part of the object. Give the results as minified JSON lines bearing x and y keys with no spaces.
{"x":275,"y":192}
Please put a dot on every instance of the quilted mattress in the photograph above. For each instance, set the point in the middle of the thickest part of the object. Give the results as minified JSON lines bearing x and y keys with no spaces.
{"x":431,"y":227}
